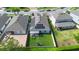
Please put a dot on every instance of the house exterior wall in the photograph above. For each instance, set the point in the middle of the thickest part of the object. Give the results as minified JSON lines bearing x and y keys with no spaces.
{"x":39,"y":31}
{"x":44,"y":31}
{"x":16,"y":32}
{"x":19,"y":32}
{"x":34,"y":32}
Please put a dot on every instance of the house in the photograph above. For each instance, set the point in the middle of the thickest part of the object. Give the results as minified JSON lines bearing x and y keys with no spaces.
{"x":54,"y":14}
{"x":4,"y":20}
{"x":75,"y":16}
{"x":2,"y":8}
{"x":64,"y":21}
{"x":39,"y":24}
{"x":17,"y":28}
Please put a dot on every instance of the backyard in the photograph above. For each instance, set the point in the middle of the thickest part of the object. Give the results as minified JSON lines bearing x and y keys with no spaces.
{"x":67,"y":37}
{"x":44,"y":40}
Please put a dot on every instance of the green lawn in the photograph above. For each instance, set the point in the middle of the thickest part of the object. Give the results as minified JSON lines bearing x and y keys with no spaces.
{"x":41,"y":40}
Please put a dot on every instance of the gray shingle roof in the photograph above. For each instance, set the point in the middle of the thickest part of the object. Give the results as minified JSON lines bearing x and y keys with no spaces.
{"x":3,"y":20}
{"x":42,"y":23}
{"x":20,"y":25}
{"x":65,"y":24}
{"x":63,"y":18}
{"x":76,"y":12}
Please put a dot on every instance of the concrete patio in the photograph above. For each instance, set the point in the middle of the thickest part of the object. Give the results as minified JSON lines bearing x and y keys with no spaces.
{"x":21,"y":39}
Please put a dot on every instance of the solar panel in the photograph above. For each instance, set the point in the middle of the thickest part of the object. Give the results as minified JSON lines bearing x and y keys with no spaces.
{"x":39,"y":26}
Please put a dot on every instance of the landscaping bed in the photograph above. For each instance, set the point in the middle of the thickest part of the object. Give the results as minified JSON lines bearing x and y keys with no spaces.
{"x":43,"y":40}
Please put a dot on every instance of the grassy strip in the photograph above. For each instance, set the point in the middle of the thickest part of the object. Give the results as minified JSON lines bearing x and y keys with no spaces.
{"x":66,"y":48}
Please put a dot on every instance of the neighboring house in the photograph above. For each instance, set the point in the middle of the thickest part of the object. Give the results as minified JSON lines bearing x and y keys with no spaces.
{"x":54,"y":14}
{"x":64,"y":21}
{"x":39,"y":24}
{"x":2,"y":9}
{"x":75,"y":16}
{"x":4,"y":20}
{"x":17,"y":28}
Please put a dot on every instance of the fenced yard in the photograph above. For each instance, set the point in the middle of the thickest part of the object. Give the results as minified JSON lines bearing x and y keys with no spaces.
{"x":43,"y":40}
{"x":67,"y":37}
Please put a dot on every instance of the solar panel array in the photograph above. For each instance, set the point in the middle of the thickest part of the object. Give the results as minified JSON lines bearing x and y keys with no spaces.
{"x":39,"y":26}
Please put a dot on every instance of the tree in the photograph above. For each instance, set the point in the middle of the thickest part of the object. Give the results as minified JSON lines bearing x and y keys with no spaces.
{"x":13,"y":9}
{"x":17,"y":9}
{"x":73,"y":8}
{"x":68,"y":12}
{"x":9,"y":44}
{"x":26,"y":9}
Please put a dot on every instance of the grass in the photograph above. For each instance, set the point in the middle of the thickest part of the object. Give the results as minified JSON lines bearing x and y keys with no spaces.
{"x":48,"y":8}
{"x":67,"y":37}
{"x":41,"y":40}
{"x":67,"y":34}
{"x":65,"y":48}
{"x":11,"y":15}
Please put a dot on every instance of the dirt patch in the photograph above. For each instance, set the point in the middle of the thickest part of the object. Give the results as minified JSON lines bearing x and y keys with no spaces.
{"x":67,"y":42}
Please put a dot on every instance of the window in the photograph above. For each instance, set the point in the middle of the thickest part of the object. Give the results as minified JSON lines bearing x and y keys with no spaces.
{"x":45,"y":31}
{"x":39,"y":31}
{"x":0,"y":32}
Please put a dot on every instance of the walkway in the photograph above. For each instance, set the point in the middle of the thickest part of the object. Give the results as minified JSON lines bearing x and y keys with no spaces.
{"x":54,"y":43}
